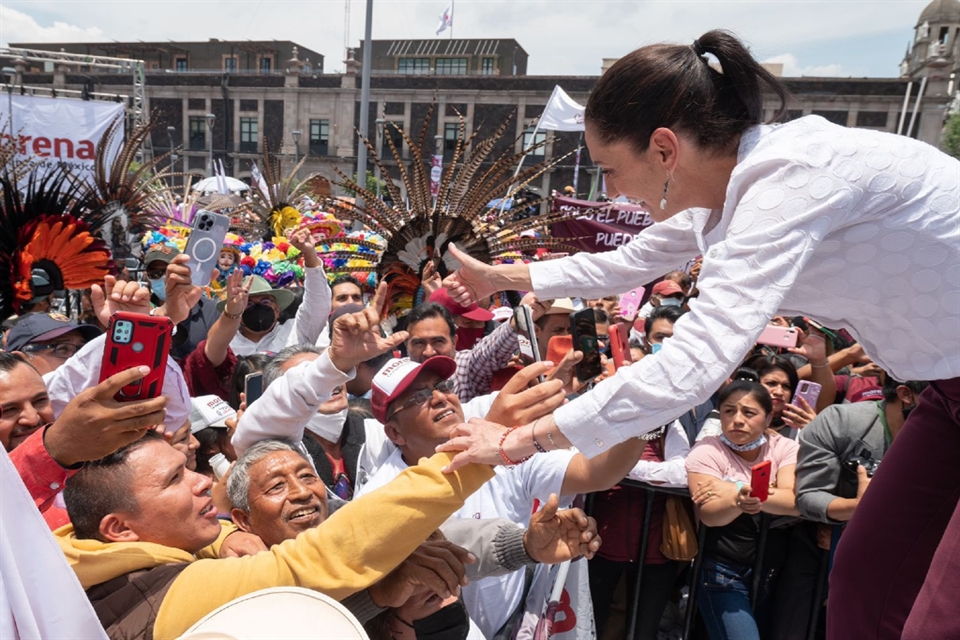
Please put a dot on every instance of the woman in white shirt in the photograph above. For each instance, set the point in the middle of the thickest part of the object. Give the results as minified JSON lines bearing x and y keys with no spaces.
{"x":855,"y":228}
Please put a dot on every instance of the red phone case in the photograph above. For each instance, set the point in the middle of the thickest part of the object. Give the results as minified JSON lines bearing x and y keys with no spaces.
{"x":557,"y":348}
{"x":620,"y":345}
{"x":760,"y":481}
{"x":133,"y":340}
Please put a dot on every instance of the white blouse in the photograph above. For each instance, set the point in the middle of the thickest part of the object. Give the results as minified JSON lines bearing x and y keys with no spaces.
{"x":855,"y":228}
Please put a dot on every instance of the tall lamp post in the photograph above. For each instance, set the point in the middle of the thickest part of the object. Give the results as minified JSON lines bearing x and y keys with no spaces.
{"x":211,"y":119}
{"x":173,"y":156}
{"x":295,"y":134}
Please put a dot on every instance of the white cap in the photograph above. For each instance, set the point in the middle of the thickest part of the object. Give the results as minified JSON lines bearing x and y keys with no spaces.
{"x":502,"y":313}
{"x":209,"y":411}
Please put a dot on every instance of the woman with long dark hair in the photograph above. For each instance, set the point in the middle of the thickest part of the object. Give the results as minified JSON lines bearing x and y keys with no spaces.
{"x":854,"y":228}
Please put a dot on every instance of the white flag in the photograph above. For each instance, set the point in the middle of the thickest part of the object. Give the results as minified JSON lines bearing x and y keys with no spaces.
{"x":446,"y":19}
{"x":562,"y":113}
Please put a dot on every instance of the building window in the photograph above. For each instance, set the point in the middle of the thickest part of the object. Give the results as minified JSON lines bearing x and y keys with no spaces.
{"x":451,"y":132}
{"x":413,"y":65}
{"x":487,"y":67}
{"x":529,"y":140}
{"x":248,"y":135}
{"x":266,"y":64}
{"x":451,"y":66}
{"x":248,"y":105}
{"x":319,"y":137}
{"x":198,"y":133}
{"x":230,"y":64}
{"x":180,"y":63}
{"x":872,"y":119}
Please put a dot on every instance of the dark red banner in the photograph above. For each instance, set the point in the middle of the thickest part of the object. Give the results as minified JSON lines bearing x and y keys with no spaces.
{"x":603,"y":226}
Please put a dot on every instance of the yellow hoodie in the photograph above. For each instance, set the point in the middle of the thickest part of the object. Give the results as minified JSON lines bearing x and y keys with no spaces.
{"x":353,"y":549}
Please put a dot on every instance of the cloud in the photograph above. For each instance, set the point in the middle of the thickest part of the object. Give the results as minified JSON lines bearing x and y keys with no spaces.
{"x":792,"y":67}
{"x":22,"y":28}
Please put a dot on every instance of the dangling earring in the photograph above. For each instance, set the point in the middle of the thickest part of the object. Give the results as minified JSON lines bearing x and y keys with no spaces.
{"x":666,"y":187}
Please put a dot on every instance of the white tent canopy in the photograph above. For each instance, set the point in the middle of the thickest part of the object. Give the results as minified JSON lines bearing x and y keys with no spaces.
{"x":209,"y":185}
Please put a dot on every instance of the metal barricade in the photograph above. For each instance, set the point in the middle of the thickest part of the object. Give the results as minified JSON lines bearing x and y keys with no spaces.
{"x":693,"y":581}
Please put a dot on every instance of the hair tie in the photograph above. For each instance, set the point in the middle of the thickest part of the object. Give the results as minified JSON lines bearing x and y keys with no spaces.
{"x":698,"y":49}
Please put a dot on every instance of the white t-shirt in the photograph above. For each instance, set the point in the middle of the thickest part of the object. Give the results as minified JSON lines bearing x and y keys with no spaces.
{"x":509,"y":494}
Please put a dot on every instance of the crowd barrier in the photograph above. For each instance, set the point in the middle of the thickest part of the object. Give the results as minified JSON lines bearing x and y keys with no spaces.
{"x":692,"y":578}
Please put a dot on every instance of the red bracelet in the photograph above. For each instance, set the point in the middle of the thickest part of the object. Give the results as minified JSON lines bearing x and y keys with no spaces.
{"x":503,"y":454}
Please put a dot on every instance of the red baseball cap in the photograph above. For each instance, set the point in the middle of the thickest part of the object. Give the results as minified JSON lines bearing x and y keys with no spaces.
{"x":474,"y":312}
{"x":667,"y":288}
{"x":396,"y":377}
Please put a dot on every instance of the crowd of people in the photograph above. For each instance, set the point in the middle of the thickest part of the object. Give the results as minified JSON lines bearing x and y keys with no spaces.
{"x":439,"y":480}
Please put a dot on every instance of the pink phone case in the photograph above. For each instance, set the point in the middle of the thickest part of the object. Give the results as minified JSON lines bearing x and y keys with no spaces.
{"x":780,"y":337}
{"x":809,"y":391}
{"x":630,"y":303}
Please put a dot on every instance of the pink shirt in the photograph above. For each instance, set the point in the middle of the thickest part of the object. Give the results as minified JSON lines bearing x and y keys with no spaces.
{"x":713,"y":458}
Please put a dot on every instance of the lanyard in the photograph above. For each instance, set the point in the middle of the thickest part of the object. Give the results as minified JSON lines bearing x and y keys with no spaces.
{"x":881,"y":410}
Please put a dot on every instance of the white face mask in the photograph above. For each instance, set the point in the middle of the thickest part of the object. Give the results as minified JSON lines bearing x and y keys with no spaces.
{"x":669,"y":302}
{"x":328,"y":427}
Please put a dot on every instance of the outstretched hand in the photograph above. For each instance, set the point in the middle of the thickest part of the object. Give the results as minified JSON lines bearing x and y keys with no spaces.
{"x":476,"y":441}
{"x":519,"y":403}
{"x":94,"y":424}
{"x":118,"y":295}
{"x":436,"y":565}
{"x":356,"y":336}
{"x":182,"y":294}
{"x":557,"y":536}
{"x":471,"y":282}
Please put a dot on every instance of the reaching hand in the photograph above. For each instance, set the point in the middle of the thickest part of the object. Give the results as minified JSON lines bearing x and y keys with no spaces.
{"x":118,"y":295}
{"x":471,"y":282}
{"x":430,"y":281}
{"x":798,"y":415}
{"x":94,"y":425}
{"x":557,"y":536}
{"x":813,"y":346}
{"x":436,"y":564}
{"x":537,"y":306}
{"x":237,"y":293}
{"x":182,"y":296}
{"x":302,"y":239}
{"x":566,"y":371}
{"x":356,"y":336}
{"x":519,"y":403}
{"x":477,"y":441}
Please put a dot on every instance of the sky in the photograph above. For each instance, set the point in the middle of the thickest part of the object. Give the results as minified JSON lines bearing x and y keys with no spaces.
{"x":858,"y":38}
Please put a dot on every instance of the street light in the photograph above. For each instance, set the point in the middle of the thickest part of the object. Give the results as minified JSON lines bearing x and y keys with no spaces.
{"x":211,"y":119}
{"x":295,"y":134}
{"x":173,"y":156}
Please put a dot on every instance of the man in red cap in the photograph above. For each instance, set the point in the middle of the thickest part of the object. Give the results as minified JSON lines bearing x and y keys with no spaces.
{"x":471,"y":321}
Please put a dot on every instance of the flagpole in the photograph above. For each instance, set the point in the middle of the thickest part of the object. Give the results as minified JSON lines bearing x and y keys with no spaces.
{"x":452,"y":2}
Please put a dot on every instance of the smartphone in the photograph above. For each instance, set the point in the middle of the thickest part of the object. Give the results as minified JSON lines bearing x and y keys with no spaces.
{"x":630,"y":303}
{"x":527,"y":336}
{"x":760,"y":481}
{"x":809,"y":391}
{"x":252,"y":387}
{"x":558,"y":347}
{"x":583,"y":332}
{"x":620,"y":345}
{"x":204,"y":244}
{"x":133,"y":340}
{"x":780,"y":337}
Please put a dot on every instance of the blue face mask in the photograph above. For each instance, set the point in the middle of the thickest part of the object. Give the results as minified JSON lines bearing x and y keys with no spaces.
{"x":159,"y":288}
{"x":669,"y":302}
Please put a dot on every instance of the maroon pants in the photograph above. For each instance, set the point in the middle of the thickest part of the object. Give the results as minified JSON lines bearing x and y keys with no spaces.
{"x":897,"y":569}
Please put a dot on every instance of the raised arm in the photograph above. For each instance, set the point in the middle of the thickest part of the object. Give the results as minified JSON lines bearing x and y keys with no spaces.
{"x":311,"y":317}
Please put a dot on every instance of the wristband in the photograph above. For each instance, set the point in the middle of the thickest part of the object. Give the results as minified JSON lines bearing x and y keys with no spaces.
{"x":503,"y":454}
{"x":232,"y":316}
{"x":533,"y":436}
{"x":825,"y":365}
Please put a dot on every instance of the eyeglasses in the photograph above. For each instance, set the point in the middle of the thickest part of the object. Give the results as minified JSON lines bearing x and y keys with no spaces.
{"x":444,"y":386}
{"x":62,"y":350}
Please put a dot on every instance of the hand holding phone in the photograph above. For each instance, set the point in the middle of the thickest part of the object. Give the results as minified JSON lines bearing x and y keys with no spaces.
{"x":760,"y":480}
{"x":252,"y":387}
{"x":809,"y":391}
{"x":583,"y":332}
{"x":204,"y":245}
{"x":527,"y":336}
{"x":135,"y":339}
{"x":620,"y":345}
{"x":630,"y":303}
{"x":780,"y":337}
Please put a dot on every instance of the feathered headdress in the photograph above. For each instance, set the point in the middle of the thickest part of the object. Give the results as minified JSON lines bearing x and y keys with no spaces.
{"x":273,"y":196}
{"x":46,"y":228}
{"x":461,"y":213}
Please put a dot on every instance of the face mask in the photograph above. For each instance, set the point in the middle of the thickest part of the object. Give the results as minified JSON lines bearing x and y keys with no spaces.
{"x":259,"y":317}
{"x":328,"y":427}
{"x":467,"y":338}
{"x":159,"y":288}
{"x":669,"y":302}
{"x":750,"y":446}
{"x":450,"y":623}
